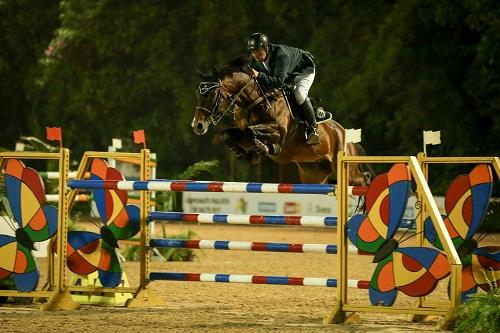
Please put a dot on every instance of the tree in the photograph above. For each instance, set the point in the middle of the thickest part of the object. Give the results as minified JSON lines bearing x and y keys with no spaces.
{"x":25,"y":30}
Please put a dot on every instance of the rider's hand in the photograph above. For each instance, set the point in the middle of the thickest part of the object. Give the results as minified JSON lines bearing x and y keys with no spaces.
{"x":255,"y":73}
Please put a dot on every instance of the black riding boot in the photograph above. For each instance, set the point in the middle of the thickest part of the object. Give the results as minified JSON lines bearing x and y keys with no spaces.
{"x":312,"y":137}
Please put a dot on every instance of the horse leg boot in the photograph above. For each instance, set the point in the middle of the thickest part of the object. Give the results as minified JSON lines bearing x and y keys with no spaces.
{"x":229,"y":138}
{"x":268,"y":135}
{"x":312,"y":137}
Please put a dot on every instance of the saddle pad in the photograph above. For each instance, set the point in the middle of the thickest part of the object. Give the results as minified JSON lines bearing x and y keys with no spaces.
{"x":322,"y":116}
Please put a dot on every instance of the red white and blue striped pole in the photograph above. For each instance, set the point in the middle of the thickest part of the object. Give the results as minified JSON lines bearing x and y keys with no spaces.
{"x":244,"y":219}
{"x":310,"y":221}
{"x":206,"y":244}
{"x":200,"y":186}
{"x":255,"y":279}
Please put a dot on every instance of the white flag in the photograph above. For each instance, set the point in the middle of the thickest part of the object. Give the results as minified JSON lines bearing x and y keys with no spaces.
{"x":353,"y":135}
{"x":432,"y":137}
{"x":117,"y":143}
{"x":19,"y":146}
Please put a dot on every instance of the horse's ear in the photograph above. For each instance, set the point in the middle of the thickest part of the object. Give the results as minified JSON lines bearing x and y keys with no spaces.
{"x":200,"y":73}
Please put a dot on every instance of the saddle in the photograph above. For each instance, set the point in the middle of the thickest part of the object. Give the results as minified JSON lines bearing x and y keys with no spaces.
{"x":294,"y":107}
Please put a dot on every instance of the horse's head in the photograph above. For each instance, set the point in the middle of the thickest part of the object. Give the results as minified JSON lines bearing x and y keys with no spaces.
{"x":207,"y":106}
{"x":215,"y":96}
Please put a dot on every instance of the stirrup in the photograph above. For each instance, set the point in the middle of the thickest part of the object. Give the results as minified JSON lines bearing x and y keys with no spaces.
{"x":312,"y":136}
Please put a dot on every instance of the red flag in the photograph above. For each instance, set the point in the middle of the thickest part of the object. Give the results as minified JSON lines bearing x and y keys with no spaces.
{"x":54,"y":134}
{"x":140,"y":137}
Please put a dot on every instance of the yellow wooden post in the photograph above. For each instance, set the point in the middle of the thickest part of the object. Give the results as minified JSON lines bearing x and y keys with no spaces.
{"x":144,"y":296}
{"x":61,"y":299}
{"x":338,"y":314}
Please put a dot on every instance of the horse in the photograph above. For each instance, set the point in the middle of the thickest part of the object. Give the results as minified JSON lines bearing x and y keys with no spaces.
{"x":264,"y":125}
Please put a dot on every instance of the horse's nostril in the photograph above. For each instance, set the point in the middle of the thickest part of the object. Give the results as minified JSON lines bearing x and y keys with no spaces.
{"x":199,"y":126}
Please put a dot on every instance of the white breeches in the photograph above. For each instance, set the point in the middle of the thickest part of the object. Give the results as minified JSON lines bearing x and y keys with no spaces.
{"x":303,"y":83}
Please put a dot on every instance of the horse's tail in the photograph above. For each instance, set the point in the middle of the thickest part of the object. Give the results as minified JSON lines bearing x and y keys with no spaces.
{"x":365,"y":168}
{"x":367,"y":173}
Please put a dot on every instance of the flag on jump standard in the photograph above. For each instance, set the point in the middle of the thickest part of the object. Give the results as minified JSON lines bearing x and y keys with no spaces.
{"x":140,"y":137}
{"x":54,"y":134}
{"x":352,"y":136}
{"x":431,"y":138}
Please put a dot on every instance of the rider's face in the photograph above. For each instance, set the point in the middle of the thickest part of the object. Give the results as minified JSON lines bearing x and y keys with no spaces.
{"x":260,"y":54}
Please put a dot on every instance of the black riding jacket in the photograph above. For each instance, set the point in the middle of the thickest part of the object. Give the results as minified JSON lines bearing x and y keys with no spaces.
{"x":284,"y":61}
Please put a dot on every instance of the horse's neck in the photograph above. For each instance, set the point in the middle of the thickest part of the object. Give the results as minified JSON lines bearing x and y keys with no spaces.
{"x":238,"y":83}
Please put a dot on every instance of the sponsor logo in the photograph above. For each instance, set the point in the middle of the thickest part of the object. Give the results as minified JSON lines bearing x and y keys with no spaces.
{"x":267,"y":207}
{"x":291,"y":207}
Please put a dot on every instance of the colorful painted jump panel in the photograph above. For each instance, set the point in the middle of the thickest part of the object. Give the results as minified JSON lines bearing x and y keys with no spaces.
{"x":35,"y":221}
{"x":415,"y":271}
{"x":88,"y":251}
{"x":466,"y":204}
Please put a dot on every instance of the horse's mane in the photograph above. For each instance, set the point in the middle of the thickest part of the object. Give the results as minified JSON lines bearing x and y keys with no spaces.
{"x":239,"y":64}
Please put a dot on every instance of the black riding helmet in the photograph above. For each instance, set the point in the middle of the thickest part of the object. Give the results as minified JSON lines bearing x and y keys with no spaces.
{"x":257,"y":40}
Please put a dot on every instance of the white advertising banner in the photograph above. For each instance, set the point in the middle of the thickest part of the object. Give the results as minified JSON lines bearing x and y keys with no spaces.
{"x":272,"y":204}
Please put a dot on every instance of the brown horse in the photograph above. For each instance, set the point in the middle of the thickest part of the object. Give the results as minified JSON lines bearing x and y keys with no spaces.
{"x":265,"y":125}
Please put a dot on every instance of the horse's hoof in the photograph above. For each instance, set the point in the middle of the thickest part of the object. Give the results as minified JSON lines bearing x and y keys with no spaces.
{"x":274,"y":149}
{"x":261,"y":148}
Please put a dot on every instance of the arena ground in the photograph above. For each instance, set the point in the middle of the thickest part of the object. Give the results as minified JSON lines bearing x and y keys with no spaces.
{"x":218,"y":307}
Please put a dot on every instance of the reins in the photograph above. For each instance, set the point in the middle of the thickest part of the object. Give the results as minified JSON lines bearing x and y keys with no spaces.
{"x":233,"y":99}
{"x":263,"y":97}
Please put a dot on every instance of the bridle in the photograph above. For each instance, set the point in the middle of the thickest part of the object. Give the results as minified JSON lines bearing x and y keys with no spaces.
{"x":205,"y":87}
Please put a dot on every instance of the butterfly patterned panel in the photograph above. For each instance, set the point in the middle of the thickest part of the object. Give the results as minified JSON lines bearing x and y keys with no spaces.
{"x":466,"y":204}
{"x":36,"y":222}
{"x":89,"y":251}
{"x":415,"y":271}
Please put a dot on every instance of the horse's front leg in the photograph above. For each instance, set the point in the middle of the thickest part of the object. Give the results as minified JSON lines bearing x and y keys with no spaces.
{"x":241,"y":144}
{"x":266,"y":137}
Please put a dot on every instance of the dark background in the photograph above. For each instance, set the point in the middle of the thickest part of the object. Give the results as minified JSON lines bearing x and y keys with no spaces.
{"x":100,"y":69}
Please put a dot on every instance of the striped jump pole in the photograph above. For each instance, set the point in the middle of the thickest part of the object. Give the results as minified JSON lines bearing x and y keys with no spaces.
{"x":55,"y":174}
{"x":200,"y":186}
{"x":255,"y":279}
{"x":205,"y":244}
{"x":244,"y":219}
{"x":311,"y":221}
{"x":78,"y":197}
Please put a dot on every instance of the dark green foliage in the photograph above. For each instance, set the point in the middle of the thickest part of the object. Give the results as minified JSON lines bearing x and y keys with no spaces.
{"x":491,"y":221}
{"x":480,"y":313}
{"x":391,"y":68}
{"x":6,"y":284}
{"x":26,"y":27}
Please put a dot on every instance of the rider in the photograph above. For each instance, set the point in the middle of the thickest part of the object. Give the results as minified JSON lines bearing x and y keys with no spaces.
{"x":272,"y":64}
